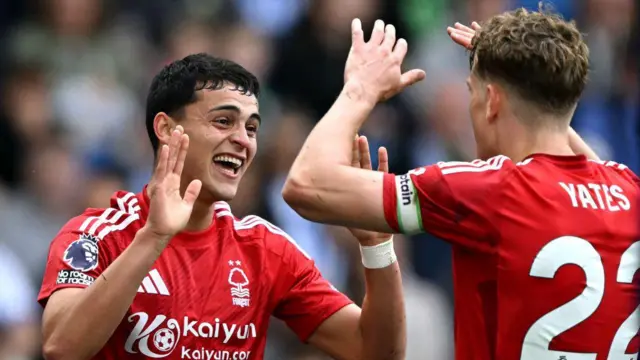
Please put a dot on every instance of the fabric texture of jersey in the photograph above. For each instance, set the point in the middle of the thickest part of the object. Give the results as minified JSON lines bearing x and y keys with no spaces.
{"x":208,"y":296}
{"x":544,"y":253}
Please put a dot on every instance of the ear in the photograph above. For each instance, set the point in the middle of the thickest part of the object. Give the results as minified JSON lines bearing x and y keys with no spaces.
{"x":163,"y":124}
{"x":494,"y":98}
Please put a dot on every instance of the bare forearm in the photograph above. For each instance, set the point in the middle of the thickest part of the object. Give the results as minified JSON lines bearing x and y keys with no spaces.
{"x":383,"y":320}
{"x":579,"y":146}
{"x":88,"y":323}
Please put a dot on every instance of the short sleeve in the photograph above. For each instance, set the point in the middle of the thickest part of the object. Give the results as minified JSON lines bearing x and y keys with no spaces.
{"x":308,"y":299}
{"x":75,"y":260}
{"x":451,"y":200}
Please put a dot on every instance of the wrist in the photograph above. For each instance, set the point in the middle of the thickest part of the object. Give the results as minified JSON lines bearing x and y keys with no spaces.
{"x":152,"y":239}
{"x":373,"y":240}
{"x":378,"y":256}
{"x":358,"y":94}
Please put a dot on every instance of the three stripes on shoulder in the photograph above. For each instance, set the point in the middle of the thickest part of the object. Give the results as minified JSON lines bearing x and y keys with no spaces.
{"x":113,"y":219}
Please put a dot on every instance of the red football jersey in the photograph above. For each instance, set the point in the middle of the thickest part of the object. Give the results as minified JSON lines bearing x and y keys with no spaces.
{"x":544,"y":253}
{"x":208,"y":296}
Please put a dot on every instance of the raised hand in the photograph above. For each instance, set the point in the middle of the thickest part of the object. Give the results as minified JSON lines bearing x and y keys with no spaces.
{"x":375,"y":66}
{"x":361,"y":158}
{"x":169,"y":211}
{"x":462,"y":35}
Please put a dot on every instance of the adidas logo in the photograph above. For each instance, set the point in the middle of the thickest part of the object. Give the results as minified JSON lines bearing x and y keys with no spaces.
{"x":153,"y":284}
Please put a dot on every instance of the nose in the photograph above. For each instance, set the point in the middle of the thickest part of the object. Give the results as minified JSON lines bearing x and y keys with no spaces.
{"x":240,"y":137}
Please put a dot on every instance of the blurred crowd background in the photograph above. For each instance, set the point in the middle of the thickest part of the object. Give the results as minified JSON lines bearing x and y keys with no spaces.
{"x":73,"y":81}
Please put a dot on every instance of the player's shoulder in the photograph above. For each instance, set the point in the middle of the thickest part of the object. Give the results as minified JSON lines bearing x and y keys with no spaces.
{"x":495,"y":167}
{"x":470,"y":175}
{"x":118,"y":219}
{"x":619,"y":169}
{"x":255,"y":228}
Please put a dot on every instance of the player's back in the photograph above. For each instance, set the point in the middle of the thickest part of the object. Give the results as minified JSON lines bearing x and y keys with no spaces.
{"x":567,"y":251}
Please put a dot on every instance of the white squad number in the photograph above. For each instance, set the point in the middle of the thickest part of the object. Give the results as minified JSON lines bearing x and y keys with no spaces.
{"x":573,"y":250}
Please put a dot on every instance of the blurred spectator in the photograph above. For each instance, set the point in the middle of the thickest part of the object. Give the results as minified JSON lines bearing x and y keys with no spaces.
{"x":310,"y":58}
{"x":27,"y":119}
{"x":19,"y":328}
{"x":606,"y":116}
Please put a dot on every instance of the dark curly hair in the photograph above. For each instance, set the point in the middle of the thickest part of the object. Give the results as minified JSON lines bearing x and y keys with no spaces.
{"x":538,"y":55}
{"x":176,"y":84}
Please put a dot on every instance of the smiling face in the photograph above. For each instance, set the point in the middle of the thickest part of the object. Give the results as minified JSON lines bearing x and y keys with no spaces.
{"x":215,"y":101}
{"x":222,"y":126}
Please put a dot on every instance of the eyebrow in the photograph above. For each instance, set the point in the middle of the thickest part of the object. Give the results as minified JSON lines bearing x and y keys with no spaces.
{"x":235,"y":109}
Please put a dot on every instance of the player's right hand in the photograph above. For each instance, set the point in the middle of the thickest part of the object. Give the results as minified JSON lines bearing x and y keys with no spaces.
{"x":169,"y":211}
{"x":361,"y":159}
{"x":462,"y":35}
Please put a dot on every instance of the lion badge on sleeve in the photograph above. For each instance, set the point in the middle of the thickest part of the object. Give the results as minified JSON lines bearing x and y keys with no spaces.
{"x":82,"y":254}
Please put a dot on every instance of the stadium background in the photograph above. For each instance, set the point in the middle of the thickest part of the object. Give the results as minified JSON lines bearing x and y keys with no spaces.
{"x":73,"y":79}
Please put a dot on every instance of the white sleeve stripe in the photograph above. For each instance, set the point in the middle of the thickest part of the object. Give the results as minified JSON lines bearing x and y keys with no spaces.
{"x":133,"y":205}
{"x":475,"y":163}
{"x":100,"y":218}
{"x":126,"y":222}
{"x":449,"y":164}
{"x":610,"y":164}
{"x":121,"y":205}
{"x":495,"y":163}
{"x":127,"y":196}
{"x":127,"y":203}
{"x":113,"y":219}
{"x":103,"y":220}
{"x":468,"y":169}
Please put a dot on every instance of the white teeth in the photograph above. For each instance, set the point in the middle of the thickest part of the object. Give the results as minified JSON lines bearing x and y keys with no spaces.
{"x":235,"y":161}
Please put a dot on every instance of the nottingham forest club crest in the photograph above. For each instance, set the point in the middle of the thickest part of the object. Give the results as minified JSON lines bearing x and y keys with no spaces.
{"x":82,"y":254}
{"x":238,"y":280}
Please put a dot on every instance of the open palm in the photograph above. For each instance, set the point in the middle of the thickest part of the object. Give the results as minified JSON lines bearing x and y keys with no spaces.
{"x":169,"y":211}
{"x":376,"y":65}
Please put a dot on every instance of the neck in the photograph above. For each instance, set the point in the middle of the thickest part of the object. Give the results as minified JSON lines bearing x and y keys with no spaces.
{"x":545,"y":141}
{"x":201,"y":216}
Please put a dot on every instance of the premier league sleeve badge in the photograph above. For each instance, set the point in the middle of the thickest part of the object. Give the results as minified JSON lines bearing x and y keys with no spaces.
{"x":82,"y":254}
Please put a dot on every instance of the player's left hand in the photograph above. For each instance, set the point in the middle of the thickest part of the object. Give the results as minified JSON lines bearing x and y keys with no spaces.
{"x":462,"y":34}
{"x":374,"y":67}
{"x":361,"y":158}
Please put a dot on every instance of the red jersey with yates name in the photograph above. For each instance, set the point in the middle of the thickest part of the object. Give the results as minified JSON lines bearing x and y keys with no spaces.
{"x":208,"y":296}
{"x":544,"y":253}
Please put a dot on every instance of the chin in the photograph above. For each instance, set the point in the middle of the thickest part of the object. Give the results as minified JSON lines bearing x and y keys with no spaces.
{"x":224,"y":192}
